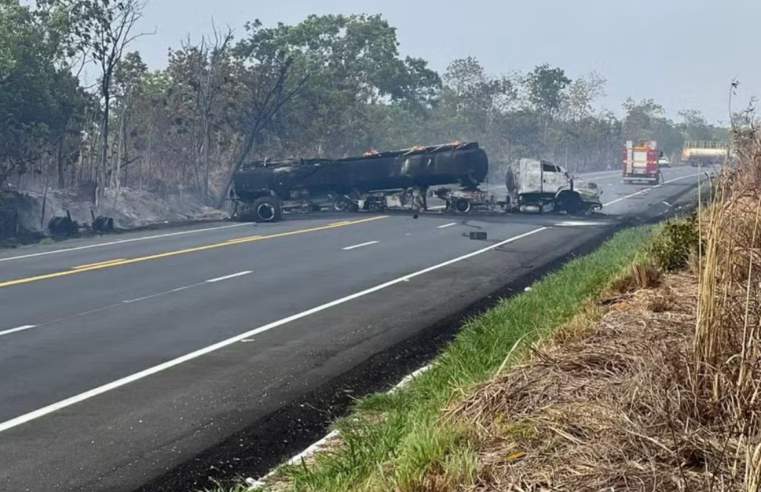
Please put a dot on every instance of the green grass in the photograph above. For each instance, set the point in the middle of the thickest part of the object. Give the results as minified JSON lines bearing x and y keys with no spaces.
{"x":395,"y":441}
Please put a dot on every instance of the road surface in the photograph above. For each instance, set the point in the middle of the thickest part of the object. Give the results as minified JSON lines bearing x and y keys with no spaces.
{"x":127,"y":356}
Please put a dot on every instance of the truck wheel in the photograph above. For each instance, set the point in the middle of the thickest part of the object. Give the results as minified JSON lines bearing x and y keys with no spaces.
{"x":462,"y":206}
{"x":341,"y":204}
{"x":267,"y":209}
{"x":571,"y":203}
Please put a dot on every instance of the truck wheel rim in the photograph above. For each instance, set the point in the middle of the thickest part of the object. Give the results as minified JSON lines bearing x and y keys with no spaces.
{"x":463,"y":206}
{"x":266,"y":211}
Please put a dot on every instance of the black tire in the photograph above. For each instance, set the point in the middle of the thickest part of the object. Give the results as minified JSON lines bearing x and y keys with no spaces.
{"x":341,"y":204}
{"x":571,"y":203}
{"x":267,"y":209}
{"x":462,"y":206}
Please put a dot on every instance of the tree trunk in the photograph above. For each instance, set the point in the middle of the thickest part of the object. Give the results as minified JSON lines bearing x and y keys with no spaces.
{"x":106,"y":115}
{"x":117,"y":175}
{"x":206,"y":171}
{"x":247,"y":146}
{"x":59,"y":162}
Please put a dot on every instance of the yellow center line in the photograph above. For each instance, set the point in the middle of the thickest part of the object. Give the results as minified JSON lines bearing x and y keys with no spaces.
{"x":97,"y":264}
{"x":115,"y":263}
{"x":243,"y":239}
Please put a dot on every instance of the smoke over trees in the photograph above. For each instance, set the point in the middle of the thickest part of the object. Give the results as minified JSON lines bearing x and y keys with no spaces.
{"x":331,"y":86}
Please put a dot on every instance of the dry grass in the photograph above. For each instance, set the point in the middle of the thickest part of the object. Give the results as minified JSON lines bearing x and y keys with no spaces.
{"x":612,"y":411}
{"x":661,"y":393}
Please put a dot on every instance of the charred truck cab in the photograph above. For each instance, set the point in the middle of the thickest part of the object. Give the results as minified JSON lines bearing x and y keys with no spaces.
{"x":376,"y":181}
{"x":537,"y":186}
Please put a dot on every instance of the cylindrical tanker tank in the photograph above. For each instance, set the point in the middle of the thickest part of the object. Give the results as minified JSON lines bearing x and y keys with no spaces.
{"x":465,"y":164}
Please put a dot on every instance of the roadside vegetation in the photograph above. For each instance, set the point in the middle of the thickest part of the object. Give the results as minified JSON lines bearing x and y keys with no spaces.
{"x":634,"y":368}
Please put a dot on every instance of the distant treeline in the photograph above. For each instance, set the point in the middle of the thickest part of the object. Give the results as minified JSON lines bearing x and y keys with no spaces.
{"x":330,"y":86}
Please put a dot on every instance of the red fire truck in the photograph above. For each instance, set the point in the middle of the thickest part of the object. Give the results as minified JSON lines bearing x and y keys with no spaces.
{"x":641,"y":163}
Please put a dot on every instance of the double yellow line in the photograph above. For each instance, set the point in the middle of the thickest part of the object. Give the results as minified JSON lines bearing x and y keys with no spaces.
{"x":232,"y":242}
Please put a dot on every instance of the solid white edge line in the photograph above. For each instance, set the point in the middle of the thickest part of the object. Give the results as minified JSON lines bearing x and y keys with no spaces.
{"x":228,"y":277}
{"x":640,"y":192}
{"x":315,"y":447}
{"x":447,"y":225}
{"x":124,"y":241}
{"x":348,"y":248}
{"x":16,"y":330}
{"x":28,"y":417}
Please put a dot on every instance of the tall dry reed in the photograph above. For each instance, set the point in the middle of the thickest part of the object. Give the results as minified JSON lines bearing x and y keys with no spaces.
{"x":727,"y":343}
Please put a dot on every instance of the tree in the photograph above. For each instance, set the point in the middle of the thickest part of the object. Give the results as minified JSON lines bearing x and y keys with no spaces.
{"x":37,"y":99}
{"x":105,"y":29}
{"x":646,"y":120}
{"x":266,"y":84}
{"x":694,"y":126}
{"x":474,"y":105}
{"x":545,"y":87}
{"x":128,"y":77}
{"x":353,"y":64}
{"x":208,"y":65}
{"x":581,"y":94}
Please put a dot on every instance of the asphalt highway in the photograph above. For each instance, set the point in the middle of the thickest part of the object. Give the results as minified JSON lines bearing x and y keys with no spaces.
{"x":126,"y":356}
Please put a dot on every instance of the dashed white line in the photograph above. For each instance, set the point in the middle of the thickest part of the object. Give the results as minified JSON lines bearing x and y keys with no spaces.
{"x":41,"y":412}
{"x":447,"y":225}
{"x":227,"y":277}
{"x":16,"y":330}
{"x":178,"y":289}
{"x":124,"y":241}
{"x":348,"y":248}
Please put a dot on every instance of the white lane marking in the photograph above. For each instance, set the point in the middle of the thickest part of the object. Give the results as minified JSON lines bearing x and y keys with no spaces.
{"x":642,"y":192}
{"x":447,"y":225}
{"x":178,"y":289}
{"x":437,"y":207}
{"x":574,"y":223}
{"x":28,"y":417}
{"x":124,"y":241}
{"x":16,"y":330}
{"x":227,"y":277}
{"x":348,"y":248}
{"x":314,"y":448}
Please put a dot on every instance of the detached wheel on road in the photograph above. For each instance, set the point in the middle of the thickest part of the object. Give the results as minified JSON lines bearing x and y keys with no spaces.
{"x":267,"y":209}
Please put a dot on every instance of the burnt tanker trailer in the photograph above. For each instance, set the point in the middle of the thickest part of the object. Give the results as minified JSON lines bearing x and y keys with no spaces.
{"x":262,"y":190}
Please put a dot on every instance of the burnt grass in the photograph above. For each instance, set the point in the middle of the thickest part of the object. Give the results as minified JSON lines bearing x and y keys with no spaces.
{"x":278,"y":436}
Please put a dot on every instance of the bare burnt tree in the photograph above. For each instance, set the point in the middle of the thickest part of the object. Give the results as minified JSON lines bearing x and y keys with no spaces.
{"x":209,"y":65}
{"x":270,"y":88}
{"x":107,"y":26}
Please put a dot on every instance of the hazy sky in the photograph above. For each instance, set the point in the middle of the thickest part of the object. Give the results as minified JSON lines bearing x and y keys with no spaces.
{"x":683,"y":53}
